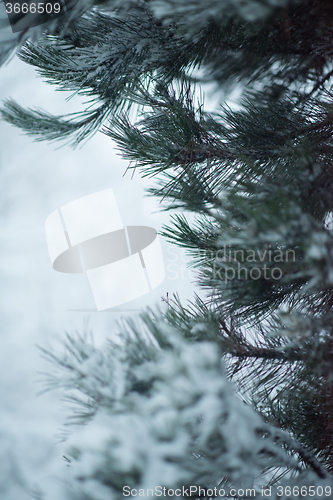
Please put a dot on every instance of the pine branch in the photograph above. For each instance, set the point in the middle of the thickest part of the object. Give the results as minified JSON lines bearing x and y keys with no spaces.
{"x":305,"y":454}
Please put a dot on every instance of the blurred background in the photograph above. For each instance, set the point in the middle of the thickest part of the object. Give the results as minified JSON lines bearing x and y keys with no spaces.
{"x":36,"y":178}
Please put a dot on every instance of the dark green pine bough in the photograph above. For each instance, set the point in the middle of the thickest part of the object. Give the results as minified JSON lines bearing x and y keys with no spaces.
{"x":259,"y":178}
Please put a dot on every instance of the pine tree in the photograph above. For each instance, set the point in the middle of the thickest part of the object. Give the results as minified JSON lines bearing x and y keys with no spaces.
{"x":258,"y":178}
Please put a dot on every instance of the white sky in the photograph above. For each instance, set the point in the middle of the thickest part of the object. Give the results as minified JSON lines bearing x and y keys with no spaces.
{"x":36,"y":178}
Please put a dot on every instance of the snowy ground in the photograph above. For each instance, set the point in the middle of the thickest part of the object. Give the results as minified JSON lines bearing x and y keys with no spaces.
{"x":36,"y":179}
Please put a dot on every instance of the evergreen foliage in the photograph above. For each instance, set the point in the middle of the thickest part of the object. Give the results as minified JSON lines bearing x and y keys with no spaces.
{"x":259,"y":180}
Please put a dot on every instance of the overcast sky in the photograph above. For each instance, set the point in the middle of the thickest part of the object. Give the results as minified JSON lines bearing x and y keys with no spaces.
{"x":36,"y":179}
